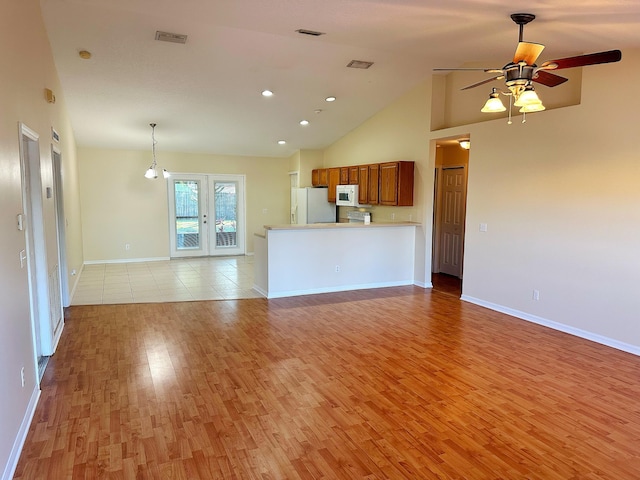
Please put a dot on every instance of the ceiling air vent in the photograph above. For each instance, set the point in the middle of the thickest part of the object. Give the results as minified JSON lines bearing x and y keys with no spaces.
{"x":171,"y":37}
{"x":359,"y":64}
{"x":313,"y":33}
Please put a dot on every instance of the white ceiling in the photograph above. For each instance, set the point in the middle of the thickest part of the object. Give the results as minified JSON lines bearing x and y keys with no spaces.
{"x":205,"y":95}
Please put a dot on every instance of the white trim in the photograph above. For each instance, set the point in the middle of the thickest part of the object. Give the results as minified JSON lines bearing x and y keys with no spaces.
{"x":561,"y":327}
{"x":345,"y":288}
{"x":127,"y":260}
{"x":423,"y":284}
{"x":18,"y":444}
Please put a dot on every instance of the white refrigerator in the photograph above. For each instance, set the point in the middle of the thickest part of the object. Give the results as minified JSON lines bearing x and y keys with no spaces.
{"x":312,"y":206}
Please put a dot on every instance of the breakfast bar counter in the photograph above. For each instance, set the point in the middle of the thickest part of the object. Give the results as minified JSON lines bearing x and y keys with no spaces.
{"x":330,"y":257}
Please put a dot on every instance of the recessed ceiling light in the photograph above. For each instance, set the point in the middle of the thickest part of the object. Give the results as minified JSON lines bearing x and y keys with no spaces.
{"x":304,"y":122}
{"x":330,"y":99}
{"x":281,"y":142}
{"x":267,"y":93}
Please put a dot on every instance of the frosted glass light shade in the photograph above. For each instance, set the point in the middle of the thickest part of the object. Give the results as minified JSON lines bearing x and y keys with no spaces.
{"x":494,"y":104}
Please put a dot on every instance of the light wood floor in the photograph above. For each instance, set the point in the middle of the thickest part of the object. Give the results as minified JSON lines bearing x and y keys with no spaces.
{"x":398,"y":383}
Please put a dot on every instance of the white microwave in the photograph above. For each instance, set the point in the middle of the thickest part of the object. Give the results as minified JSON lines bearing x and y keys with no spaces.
{"x":347,"y":195}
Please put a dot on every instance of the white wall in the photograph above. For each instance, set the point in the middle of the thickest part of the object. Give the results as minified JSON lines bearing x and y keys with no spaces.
{"x":27,"y":69}
{"x":120,"y":205}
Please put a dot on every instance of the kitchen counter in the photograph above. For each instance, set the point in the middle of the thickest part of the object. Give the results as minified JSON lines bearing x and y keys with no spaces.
{"x":339,"y":225}
{"x":330,"y":257}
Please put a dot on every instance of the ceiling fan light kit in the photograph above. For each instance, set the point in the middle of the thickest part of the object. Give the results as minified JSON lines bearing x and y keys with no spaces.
{"x":522,"y":71}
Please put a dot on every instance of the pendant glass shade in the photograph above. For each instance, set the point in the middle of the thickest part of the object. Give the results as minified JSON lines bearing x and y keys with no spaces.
{"x":528,"y":97}
{"x":494,"y":104}
{"x":151,"y":173}
{"x":536,"y":107}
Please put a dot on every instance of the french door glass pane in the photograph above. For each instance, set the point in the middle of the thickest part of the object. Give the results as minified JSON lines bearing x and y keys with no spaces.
{"x":187,"y":217}
{"x":226,"y":206}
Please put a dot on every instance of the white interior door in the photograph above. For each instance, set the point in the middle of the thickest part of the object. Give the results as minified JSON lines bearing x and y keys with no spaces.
{"x":207,"y":215}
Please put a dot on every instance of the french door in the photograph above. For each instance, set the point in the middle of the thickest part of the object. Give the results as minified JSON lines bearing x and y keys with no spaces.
{"x":207,"y":216}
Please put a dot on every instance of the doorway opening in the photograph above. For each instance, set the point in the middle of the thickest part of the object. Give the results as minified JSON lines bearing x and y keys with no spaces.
{"x":44,"y":283}
{"x":450,"y":197}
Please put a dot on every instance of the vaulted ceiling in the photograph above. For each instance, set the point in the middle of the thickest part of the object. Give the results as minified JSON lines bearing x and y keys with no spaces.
{"x":205,"y":95}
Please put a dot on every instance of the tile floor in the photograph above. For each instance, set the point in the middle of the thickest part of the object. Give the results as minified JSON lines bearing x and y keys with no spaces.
{"x":210,"y":278}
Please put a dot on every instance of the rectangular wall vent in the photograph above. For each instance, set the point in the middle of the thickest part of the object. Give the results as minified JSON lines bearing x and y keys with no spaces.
{"x":359,"y":64}
{"x":313,"y":33}
{"x":170,"y":37}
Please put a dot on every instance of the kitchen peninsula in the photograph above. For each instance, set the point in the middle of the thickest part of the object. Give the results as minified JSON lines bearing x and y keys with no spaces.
{"x":295,"y":260}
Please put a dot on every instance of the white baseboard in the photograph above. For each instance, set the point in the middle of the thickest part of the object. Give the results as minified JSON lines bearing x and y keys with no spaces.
{"x":340,"y":288}
{"x":127,"y":260}
{"x":594,"y":337}
{"x":12,"y":461}
{"x":423,"y":284}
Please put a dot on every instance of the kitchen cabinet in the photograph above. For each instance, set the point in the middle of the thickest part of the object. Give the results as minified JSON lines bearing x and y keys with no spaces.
{"x":363,"y":184}
{"x":353,"y":175}
{"x":396,"y":183}
{"x":320,"y":177}
{"x":333,"y":182}
{"x":373,"y":194}
{"x":344,"y":175}
{"x":368,"y":185}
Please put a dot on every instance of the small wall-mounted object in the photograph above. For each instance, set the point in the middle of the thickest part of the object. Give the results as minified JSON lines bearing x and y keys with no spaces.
{"x":49,"y":191}
{"x":20,"y":218}
{"x":49,"y":96}
{"x":55,"y":136}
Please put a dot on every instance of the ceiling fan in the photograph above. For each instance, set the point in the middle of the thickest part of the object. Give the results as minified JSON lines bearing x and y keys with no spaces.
{"x":522,"y":72}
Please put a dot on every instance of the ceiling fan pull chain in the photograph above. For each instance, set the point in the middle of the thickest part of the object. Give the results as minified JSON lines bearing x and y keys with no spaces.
{"x":509,"y":122}
{"x":524,"y":117}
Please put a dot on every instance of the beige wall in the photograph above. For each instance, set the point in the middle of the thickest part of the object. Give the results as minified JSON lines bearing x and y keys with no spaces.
{"x":120,"y":205}
{"x":27,"y":69}
{"x":560,"y":197}
{"x":399,"y":132}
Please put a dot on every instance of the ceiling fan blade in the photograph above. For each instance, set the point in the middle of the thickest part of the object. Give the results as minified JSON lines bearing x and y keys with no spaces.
{"x":486,"y":70}
{"x":528,"y":52}
{"x":477,"y":84}
{"x":584,"y":60}
{"x":548,"y":79}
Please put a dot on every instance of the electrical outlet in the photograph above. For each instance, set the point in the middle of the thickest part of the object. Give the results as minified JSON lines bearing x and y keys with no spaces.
{"x":337,"y":268}
{"x":127,"y":246}
{"x":22,"y":376}
{"x":393,"y":216}
{"x":536,"y":295}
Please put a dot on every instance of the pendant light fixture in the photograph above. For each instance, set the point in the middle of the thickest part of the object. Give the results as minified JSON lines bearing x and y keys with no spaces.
{"x":152,"y":172}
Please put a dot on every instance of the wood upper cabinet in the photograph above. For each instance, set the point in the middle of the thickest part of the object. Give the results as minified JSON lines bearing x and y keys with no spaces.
{"x":374,"y":185}
{"x":368,"y":185}
{"x":334,"y":181}
{"x":396,"y":183}
{"x":344,"y":175}
{"x":319,"y":177}
{"x":363,"y":184}
{"x":353,"y":175}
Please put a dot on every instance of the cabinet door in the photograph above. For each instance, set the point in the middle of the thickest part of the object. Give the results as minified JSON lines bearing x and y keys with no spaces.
{"x":334,"y":181}
{"x":353,"y":175}
{"x":363,"y":184}
{"x":396,"y":183}
{"x":374,"y":185}
{"x":315,"y":178}
{"x":344,"y":175}
{"x":389,"y":183}
{"x":323,"y":177}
